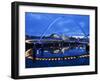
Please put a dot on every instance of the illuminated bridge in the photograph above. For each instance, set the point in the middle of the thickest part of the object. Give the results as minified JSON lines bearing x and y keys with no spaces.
{"x":55,"y":46}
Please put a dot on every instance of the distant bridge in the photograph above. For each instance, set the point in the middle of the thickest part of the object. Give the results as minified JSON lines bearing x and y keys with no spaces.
{"x":44,"y":41}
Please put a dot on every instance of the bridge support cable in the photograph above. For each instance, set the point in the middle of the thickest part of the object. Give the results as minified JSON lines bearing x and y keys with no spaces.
{"x":54,"y":21}
{"x":80,"y":28}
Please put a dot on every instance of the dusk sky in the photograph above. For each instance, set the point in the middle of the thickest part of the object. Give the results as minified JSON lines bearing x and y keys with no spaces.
{"x":45,"y":24}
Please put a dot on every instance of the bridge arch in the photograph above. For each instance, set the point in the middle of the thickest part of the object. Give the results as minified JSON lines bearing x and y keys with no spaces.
{"x":57,"y":19}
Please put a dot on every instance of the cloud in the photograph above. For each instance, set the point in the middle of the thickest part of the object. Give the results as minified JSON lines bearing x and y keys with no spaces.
{"x":36,"y":16}
{"x":60,"y":23}
{"x":82,"y":24}
{"x":65,"y":30}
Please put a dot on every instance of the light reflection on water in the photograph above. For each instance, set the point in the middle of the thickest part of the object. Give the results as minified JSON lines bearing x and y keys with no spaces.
{"x":60,"y":53}
{"x":74,"y":51}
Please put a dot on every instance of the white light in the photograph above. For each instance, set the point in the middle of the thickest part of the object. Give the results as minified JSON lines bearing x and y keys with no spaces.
{"x":58,"y":58}
{"x":65,"y":58}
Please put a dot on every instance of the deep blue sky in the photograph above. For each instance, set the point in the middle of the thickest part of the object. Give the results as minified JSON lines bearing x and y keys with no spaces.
{"x":69,"y":24}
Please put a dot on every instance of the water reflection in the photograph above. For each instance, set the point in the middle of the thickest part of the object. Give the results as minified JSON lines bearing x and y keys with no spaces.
{"x":56,"y":54}
{"x":61,"y":52}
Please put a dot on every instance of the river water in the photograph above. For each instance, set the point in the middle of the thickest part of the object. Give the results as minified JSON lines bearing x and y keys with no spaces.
{"x":49,"y":54}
